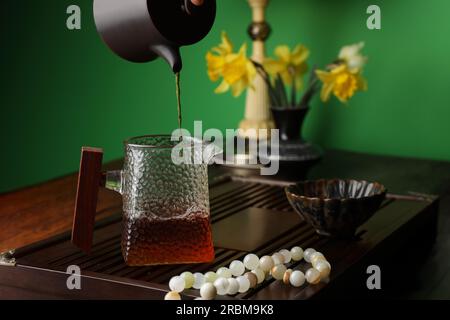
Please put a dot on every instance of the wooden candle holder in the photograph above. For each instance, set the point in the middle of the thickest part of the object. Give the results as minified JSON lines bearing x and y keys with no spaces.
{"x":257,"y":108}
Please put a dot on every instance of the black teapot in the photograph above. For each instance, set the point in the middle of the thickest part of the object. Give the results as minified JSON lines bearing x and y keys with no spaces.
{"x":142,"y":30}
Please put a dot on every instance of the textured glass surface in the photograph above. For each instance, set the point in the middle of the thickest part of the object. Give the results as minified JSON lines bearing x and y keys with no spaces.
{"x":166,"y":206}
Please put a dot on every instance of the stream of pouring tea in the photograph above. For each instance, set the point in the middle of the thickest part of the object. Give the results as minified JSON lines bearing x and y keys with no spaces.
{"x":178,"y":93}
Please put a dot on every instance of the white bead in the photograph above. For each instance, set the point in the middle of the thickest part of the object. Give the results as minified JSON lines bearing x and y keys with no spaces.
{"x":277,"y":258}
{"x":266,"y":263}
{"x":308,"y":253}
{"x":188,"y":279}
{"x":177,"y":284}
{"x":287,"y":255}
{"x":221,"y":285}
{"x":312,"y":276}
{"x":233,"y":286}
{"x":297,"y":278}
{"x":199,"y":280}
{"x":297,"y":253}
{"x":237,"y":268}
{"x":210,"y":276}
{"x":208,"y":291}
{"x":278,"y":271}
{"x":316,"y":260}
{"x":316,"y":256}
{"x":326,"y":262}
{"x":259,"y":274}
{"x":223,"y":272}
{"x":251,"y":261}
{"x":244,"y":284}
{"x":324,"y":268}
{"x":172,"y":295}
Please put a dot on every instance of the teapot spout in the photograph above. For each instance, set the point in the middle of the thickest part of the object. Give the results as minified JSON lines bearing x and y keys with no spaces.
{"x":170,"y":54}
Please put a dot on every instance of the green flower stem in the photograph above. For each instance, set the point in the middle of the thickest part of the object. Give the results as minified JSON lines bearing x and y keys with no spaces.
{"x":274,"y":98}
{"x":281,"y":89}
{"x":309,"y":93}
{"x":294,"y":93}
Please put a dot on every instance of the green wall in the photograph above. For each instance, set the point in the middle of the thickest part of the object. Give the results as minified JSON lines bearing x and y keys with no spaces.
{"x":64,"y":89}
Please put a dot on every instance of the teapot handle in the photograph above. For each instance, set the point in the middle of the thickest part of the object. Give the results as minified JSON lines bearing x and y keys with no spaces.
{"x":90,"y":179}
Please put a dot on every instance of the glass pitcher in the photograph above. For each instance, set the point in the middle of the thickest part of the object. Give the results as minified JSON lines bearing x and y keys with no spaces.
{"x":164,"y":186}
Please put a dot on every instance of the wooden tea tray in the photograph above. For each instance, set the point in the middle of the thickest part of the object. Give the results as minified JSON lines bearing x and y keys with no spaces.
{"x":247,"y":216}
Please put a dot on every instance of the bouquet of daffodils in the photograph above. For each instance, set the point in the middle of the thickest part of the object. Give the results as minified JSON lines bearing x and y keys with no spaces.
{"x":284,"y":74}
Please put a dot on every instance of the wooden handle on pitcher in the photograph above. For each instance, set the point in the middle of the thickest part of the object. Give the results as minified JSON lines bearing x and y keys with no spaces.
{"x":89,"y":180}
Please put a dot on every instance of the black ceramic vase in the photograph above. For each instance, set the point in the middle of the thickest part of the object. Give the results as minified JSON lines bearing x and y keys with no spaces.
{"x":292,"y":147}
{"x":289,"y":121}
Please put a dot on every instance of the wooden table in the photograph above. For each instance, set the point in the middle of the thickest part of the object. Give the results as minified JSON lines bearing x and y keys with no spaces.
{"x":40,"y":212}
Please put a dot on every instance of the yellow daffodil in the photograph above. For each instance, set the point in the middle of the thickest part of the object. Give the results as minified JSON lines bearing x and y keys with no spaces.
{"x":290,"y":65}
{"x":236,"y":69}
{"x":352,"y":56}
{"x":342,"y":81}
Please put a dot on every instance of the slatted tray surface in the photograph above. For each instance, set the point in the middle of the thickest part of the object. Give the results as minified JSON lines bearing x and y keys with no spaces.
{"x":246,"y":217}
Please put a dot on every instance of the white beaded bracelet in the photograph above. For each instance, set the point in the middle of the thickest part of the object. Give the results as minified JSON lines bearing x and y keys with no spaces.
{"x":235,"y":279}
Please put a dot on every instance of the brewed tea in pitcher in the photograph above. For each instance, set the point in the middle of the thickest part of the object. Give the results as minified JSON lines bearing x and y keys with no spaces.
{"x":177,"y":240}
{"x":166,"y":206}
{"x":165,"y":203}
